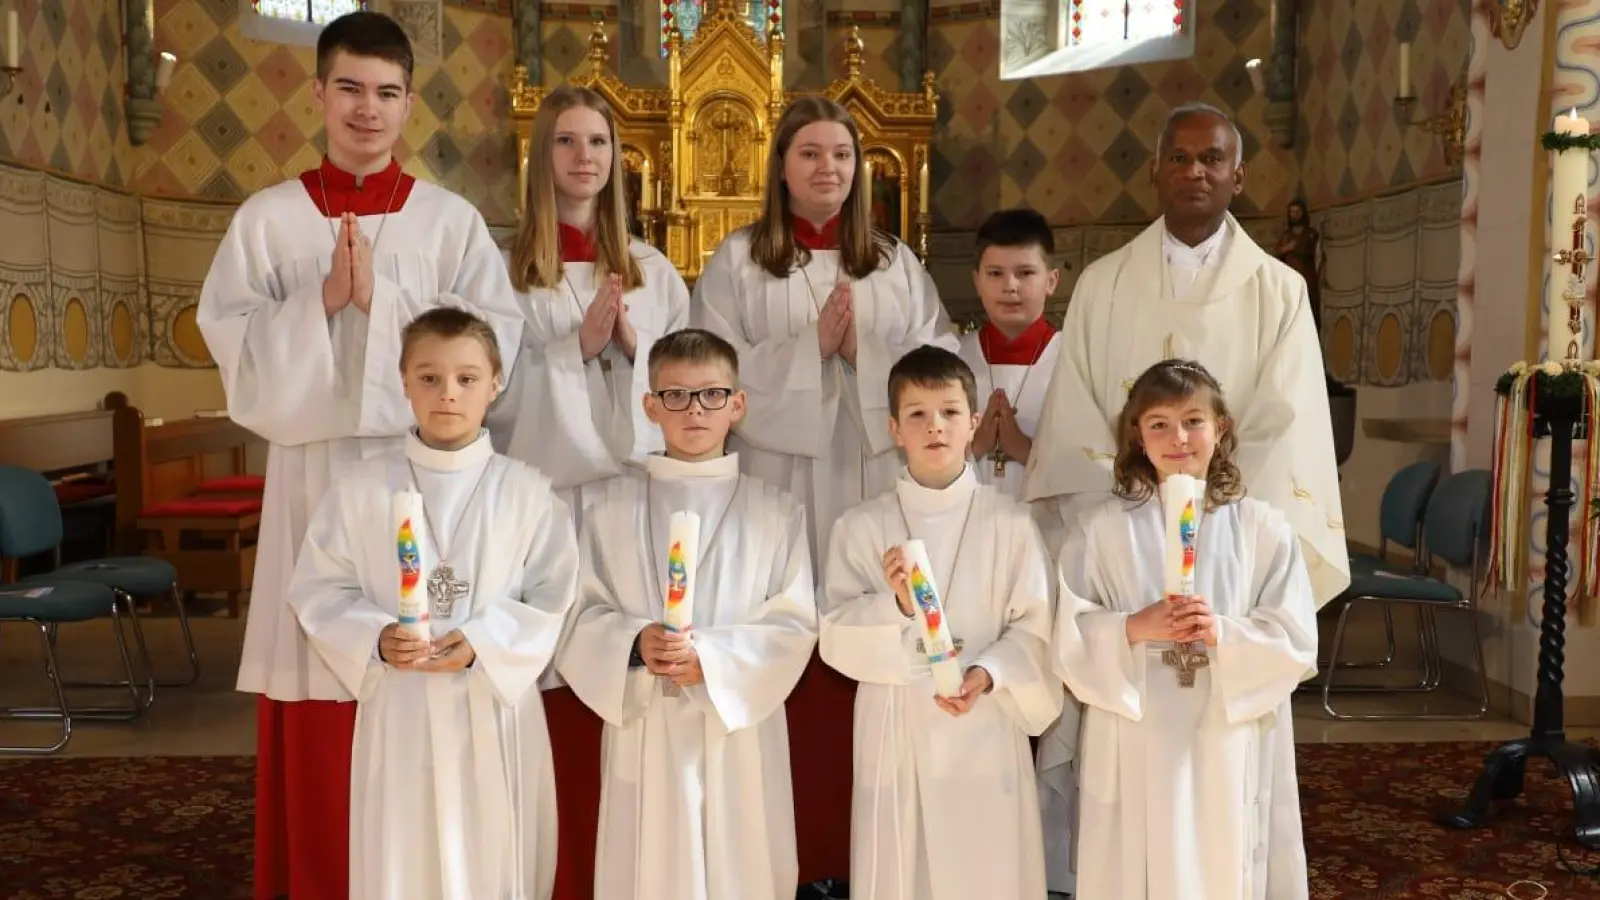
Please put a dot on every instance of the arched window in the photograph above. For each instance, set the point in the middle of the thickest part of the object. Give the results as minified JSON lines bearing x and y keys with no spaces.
{"x":1049,"y":37}
{"x":761,"y":14}
{"x":292,"y":21}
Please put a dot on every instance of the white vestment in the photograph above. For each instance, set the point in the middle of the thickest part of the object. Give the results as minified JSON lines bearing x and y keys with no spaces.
{"x":1188,"y":793}
{"x":696,"y":802}
{"x":325,"y":392}
{"x":452,"y":792}
{"x":818,"y":429}
{"x":944,"y":808}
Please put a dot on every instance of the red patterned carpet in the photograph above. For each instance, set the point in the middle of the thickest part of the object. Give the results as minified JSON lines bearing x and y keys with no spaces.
{"x":179,"y":828}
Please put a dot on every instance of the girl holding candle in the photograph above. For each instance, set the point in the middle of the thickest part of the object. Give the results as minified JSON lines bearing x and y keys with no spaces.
{"x":452,"y":789}
{"x":1187,"y":780}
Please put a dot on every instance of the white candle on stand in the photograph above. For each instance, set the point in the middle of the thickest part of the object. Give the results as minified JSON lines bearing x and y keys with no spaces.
{"x":1405,"y":70}
{"x":164,"y":71}
{"x":646,"y":194}
{"x":13,"y":39}
{"x":922,"y":188}
{"x":1569,"y":180}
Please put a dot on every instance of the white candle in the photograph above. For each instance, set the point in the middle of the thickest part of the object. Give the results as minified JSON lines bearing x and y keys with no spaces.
{"x":1569,"y":180}
{"x":164,"y":71}
{"x":922,"y":188}
{"x":411,"y":563}
{"x":522,"y":177}
{"x":646,"y":194}
{"x":1405,"y":70}
{"x":1182,"y":497}
{"x":683,"y":551}
{"x":13,"y":40}
{"x":935,"y":631}
{"x":866,"y":172}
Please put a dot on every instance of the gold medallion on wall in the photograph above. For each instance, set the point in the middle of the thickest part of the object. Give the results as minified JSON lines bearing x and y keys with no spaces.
{"x":20,"y":350}
{"x":123,"y":335}
{"x":1389,"y":350}
{"x":1340,"y":351}
{"x":175,"y":337}
{"x":75,"y":335}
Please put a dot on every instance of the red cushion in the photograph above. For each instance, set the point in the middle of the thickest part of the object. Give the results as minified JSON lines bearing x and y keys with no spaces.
{"x":79,"y":491}
{"x":202,"y":507}
{"x":234,"y":484}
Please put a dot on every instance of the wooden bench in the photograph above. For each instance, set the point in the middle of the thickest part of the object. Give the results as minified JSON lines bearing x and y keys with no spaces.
{"x":75,"y":451}
{"x":186,"y":496}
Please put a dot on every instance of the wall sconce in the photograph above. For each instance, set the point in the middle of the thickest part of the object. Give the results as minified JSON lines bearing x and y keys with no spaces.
{"x":13,"y":66}
{"x":144,"y":112}
{"x":1449,"y":124}
{"x":1508,"y":19}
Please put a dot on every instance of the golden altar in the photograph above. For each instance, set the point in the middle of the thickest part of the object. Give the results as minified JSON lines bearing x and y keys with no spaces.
{"x":695,"y":152}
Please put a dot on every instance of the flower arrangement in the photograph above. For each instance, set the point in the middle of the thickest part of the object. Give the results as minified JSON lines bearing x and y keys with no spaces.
{"x":1552,"y":379}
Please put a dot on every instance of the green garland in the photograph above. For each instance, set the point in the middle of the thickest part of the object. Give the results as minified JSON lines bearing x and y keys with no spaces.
{"x":1566,"y":386}
{"x":1561,"y":143}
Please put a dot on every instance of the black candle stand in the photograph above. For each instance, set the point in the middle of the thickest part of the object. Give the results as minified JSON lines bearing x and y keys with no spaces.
{"x":1562,"y":419}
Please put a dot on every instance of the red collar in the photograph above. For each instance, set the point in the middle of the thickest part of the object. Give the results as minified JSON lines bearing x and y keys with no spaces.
{"x":575,"y":245}
{"x":813,"y":238}
{"x":370,"y":198}
{"x":999,"y":350}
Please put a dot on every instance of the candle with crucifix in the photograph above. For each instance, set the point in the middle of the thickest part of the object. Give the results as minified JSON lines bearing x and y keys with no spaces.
{"x":1566,"y":293}
{"x":935,"y":641}
{"x":409,"y":541}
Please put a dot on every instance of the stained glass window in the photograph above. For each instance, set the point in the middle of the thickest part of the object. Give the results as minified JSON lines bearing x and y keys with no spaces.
{"x":761,"y":14}
{"x":316,"y":12}
{"x":1103,"y":22}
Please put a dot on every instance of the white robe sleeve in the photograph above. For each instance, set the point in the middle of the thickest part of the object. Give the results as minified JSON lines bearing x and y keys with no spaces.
{"x":750,"y":668}
{"x":481,"y":286}
{"x":1074,"y":443}
{"x":273,"y":353}
{"x":515,"y":637}
{"x":339,"y":616}
{"x":1093,"y":656}
{"x":1261,"y":657}
{"x":599,"y":643}
{"x":926,"y":323}
{"x":864,"y":635}
{"x":781,"y":375}
{"x":1019,"y":661}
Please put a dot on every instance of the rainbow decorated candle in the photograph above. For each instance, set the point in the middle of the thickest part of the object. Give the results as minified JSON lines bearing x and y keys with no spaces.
{"x":936,"y":641}
{"x":1181,"y":497}
{"x":413,"y":609}
{"x":683,"y":543}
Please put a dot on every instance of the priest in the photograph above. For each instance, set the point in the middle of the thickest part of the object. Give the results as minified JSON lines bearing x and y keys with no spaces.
{"x":302,"y":311}
{"x":1192,"y":285}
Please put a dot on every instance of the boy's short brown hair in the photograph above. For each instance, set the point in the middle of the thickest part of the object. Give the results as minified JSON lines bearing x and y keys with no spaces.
{"x":693,"y":345}
{"x":365,"y":34}
{"x":930,"y":366}
{"x":1021,"y":227}
{"x":451,"y":322}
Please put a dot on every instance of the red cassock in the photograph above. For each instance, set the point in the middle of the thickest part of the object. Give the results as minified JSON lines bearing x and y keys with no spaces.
{"x":575,"y":753}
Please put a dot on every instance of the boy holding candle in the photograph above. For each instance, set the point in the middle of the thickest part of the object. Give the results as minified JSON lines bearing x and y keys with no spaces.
{"x":944,"y":805}
{"x":453,"y":795}
{"x":695,"y":619}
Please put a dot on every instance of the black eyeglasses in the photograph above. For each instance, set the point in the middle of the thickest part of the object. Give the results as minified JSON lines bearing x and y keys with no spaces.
{"x":677,"y":400}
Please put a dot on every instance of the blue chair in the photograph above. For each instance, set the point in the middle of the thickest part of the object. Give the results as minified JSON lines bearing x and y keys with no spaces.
{"x":1455,"y":529}
{"x":32,"y":518}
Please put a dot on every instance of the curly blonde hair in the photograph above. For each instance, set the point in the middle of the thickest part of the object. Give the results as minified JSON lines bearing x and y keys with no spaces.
{"x":1165,"y":383}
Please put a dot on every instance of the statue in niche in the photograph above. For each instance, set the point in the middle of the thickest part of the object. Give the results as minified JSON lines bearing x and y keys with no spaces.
{"x":885,"y":193}
{"x":1300,"y":247}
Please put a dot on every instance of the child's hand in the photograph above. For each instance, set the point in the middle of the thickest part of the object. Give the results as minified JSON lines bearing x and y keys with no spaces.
{"x":1156,"y":622}
{"x":1013,"y":443}
{"x":399,"y":647}
{"x":689,"y":673}
{"x":622,"y":332}
{"x":833,"y":322}
{"x":664,"y":651}
{"x":974,"y":684}
{"x":988,"y":433}
{"x":898,"y":573}
{"x":360,"y":267}
{"x":599,"y":320}
{"x":847,"y":344}
{"x":451,"y":653}
{"x":1193,"y":619}
{"x":336,"y":288}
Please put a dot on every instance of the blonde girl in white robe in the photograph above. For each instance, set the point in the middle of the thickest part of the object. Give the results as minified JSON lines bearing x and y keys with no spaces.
{"x":1186,"y":793}
{"x":452,"y":791}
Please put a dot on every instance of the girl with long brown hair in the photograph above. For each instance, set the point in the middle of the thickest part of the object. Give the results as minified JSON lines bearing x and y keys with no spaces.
{"x":1187,"y":730}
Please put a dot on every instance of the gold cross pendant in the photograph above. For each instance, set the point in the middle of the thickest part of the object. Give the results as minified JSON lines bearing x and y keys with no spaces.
{"x":1187,"y":659}
{"x":999,"y":457}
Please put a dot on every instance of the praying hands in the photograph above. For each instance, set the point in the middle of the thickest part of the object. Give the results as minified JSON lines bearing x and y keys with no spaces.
{"x":350,"y":278}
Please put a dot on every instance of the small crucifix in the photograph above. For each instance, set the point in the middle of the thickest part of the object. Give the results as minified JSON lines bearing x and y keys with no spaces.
{"x":1187,"y":660}
{"x":444,"y":589}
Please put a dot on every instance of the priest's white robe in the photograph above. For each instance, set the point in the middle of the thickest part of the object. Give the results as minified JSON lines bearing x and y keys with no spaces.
{"x":944,"y":808}
{"x":452,"y":792}
{"x":1188,"y":793}
{"x":1248,"y":321}
{"x":580,"y":422}
{"x":818,"y":429}
{"x":696,"y":803}
{"x":325,"y":392}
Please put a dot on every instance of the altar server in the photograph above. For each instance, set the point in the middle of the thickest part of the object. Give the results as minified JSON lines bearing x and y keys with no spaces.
{"x":944,"y":806}
{"x":1188,"y":792}
{"x":453,"y":796}
{"x":302,"y":311}
{"x":689,"y":635}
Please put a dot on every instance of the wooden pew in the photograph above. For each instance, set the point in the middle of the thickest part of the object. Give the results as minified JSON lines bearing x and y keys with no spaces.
{"x":186,"y":496}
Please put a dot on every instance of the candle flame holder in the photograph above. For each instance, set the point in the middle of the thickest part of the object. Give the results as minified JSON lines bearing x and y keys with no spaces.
{"x":8,"y":79}
{"x":1449,"y":124}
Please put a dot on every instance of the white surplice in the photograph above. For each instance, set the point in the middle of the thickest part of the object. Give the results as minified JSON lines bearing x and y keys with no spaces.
{"x":944,"y":808}
{"x":579,"y":423}
{"x":1243,"y":315}
{"x":1188,"y":793}
{"x":818,"y":429}
{"x":696,"y":802}
{"x":325,"y":392}
{"x":452,"y":791}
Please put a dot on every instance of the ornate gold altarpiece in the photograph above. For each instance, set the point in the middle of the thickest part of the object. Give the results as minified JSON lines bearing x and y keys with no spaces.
{"x":695,"y":152}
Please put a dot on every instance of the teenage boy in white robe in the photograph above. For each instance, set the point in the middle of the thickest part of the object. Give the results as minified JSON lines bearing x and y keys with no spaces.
{"x":453,"y":794}
{"x":1189,"y":792}
{"x":302,"y":311}
{"x":697,"y":799}
{"x":945,"y":806}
